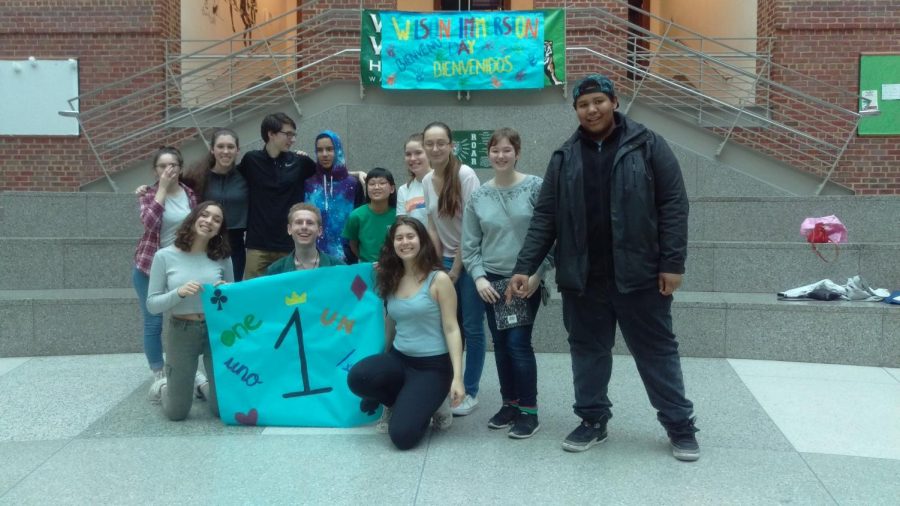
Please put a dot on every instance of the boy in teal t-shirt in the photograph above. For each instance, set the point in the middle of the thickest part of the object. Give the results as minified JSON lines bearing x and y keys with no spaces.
{"x":368,"y":225}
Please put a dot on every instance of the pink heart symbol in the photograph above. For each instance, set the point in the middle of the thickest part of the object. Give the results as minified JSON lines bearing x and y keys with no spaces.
{"x":248,"y":419}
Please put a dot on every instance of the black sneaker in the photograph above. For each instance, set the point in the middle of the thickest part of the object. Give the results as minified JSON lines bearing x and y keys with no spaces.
{"x":684,"y":442}
{"x":504,"y":418}
{"x":586,"y":435}
{"x":525,"y":426}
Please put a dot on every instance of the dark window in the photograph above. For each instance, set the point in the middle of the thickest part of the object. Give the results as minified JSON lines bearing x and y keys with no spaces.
{"x":471,"y":5}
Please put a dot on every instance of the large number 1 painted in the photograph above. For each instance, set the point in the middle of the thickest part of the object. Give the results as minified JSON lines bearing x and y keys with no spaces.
{"x":304,"y":374}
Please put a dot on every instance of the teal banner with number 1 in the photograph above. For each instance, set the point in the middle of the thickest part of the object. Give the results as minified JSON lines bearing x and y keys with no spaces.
{"x":282,"y":345}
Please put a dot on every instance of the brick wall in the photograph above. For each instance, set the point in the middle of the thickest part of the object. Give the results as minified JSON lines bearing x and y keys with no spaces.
{"x":823,"y":39}
{"x":117,"y":38}
{"x":111,"y":39}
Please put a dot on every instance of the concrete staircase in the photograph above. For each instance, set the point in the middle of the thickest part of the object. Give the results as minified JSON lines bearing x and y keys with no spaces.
{"x":65,"y":267}
{"x":65,"y":263}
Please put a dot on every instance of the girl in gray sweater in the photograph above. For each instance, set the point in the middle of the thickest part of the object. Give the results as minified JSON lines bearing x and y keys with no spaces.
{"x":495,"y":223}
{"x":200,"y":255}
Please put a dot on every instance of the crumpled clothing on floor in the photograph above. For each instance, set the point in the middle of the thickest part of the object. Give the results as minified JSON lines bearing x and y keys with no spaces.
{"x":856,"y":289}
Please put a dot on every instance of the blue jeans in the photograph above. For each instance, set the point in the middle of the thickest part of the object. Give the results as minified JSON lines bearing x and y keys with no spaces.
{"x":516,"y":365}
{"x":645,"y":317}
{"x":153,"y":348}
{"x":470,"y":312}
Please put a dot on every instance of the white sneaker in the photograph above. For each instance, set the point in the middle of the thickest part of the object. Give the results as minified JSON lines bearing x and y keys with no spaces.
{"x":155,"y":393}
{"x":443,"y":417}
{"x":384,"y":422}
{"x":465,"y":407}
{"x":200,"y":384}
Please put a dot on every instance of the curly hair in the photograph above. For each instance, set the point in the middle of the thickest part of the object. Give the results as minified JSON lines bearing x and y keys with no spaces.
{"x":390,"y":266}
{"x":218,"y":247}
{"x":450,"y":202}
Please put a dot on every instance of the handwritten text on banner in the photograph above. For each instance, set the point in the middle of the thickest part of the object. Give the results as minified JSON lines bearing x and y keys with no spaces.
{"x":282,"y":345}
{"x":468,"y":50}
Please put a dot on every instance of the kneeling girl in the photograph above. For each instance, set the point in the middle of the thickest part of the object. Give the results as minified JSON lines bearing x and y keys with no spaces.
{"x":201,"y":254}
{"x":424,"y":357}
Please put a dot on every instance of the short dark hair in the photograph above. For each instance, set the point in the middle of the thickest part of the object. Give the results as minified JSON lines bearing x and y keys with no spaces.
{"x":273,"y":123}
{"x":380,"y":172}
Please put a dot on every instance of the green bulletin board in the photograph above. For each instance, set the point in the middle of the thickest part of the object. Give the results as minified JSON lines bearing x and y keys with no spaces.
{"x":876,"y":70}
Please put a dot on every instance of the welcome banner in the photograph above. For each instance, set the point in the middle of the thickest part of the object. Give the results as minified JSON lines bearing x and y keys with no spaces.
{"x":464,"y":50}
{"x":282,"y":345}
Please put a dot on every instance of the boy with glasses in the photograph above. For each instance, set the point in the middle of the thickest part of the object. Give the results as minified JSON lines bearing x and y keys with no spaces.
{"x":275,"y":181}
{"x":275,"y":177}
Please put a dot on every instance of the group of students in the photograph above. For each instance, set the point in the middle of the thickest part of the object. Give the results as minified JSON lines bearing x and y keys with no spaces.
{"x":441,"y":241}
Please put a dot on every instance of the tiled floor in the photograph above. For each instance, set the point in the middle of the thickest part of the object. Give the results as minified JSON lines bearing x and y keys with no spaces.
{"x":79,"y":430}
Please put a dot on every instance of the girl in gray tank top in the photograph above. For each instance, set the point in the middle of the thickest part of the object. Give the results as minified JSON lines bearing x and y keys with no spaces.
{"x":423,"y":357}
{"x":417,"y":322}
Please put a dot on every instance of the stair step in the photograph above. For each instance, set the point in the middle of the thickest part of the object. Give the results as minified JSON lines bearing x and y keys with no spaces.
{"x":70,"y":214}
{"x":712,"y":266}
{"x":66,"y":263}
{"x":69,"y":322}
{"x":731,"y":325}
{"x":758,"y":326}
{"x":868,"y":218}
{"x":108,"y":215}
{"x":772,"y":267}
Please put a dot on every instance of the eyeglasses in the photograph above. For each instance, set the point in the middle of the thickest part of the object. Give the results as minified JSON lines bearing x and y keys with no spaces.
{"x":438,"y":144}
{"x":289,"y":135}
{"x":164,"y":166}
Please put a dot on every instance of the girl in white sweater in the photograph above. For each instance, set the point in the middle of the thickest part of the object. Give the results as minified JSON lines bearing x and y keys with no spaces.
{"x":200,"y":255}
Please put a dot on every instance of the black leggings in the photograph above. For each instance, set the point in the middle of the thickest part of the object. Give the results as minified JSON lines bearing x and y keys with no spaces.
{"x":238,"y":253}
{"x":414,"y":387}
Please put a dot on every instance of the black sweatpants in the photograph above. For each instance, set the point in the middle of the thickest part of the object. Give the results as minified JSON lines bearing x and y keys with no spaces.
{"x":414,"y":387}
{"x":645,"y":318}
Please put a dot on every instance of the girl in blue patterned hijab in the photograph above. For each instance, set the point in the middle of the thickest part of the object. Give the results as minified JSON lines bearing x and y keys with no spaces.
{"x":335,"y":192}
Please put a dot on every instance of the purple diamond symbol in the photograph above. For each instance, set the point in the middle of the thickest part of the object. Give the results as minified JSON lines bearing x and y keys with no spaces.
{"x":358,"y":287}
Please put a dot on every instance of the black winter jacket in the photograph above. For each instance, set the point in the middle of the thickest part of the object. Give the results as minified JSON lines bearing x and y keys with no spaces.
{"x":649,"y":213}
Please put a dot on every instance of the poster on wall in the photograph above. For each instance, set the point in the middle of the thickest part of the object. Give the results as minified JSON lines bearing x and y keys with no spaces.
{"x":868,"y":103}
{"x":282,"y":346}
{"x":470,"y":146}
{"x":879,"y":73}
{"x":463,"y":50}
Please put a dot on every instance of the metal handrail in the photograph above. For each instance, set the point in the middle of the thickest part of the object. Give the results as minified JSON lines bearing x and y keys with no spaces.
{"x":696,"y":93}
{"x":689,"y":52}
{"x":162,"y":66}
{"x":810,"y":132}
{"x":699,"y":36}
{"x":204,"y":84}
{"x":240,"y":94}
